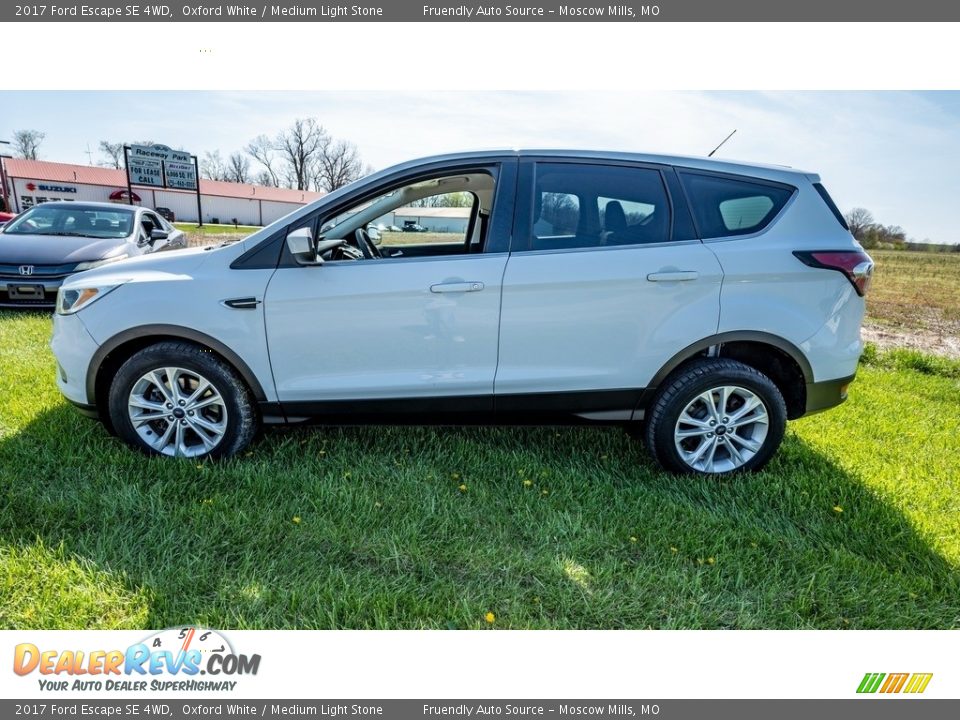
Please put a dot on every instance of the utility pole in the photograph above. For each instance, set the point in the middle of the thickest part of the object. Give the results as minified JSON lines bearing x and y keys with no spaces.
{"x":3,"y":179}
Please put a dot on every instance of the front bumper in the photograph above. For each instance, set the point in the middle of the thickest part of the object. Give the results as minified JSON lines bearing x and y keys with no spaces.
{"x":74,"y":348}
{"x":29,"y":292}
{"x":827,"y":394}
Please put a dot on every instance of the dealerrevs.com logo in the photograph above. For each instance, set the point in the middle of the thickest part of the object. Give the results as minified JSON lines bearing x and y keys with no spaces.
{"x":891,"y":683}
{"x":178,"y":659}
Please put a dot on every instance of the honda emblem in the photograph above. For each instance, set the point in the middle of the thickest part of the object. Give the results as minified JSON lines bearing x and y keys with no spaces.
{"x":26,"y":269}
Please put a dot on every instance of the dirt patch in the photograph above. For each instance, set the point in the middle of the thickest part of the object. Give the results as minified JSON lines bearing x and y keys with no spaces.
{"x":946,"y":344}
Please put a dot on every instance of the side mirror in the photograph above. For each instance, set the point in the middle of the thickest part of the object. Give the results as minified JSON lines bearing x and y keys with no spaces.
{"x":301,"y":246}
{"x":158,"y":234}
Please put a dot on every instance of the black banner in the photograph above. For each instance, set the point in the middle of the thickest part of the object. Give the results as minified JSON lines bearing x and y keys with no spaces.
{"x":490,"y":11}
{"x":853,"y":709}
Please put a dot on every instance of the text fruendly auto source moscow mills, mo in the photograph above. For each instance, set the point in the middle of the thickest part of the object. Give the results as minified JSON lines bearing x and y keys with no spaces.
{"x":148,"y":11}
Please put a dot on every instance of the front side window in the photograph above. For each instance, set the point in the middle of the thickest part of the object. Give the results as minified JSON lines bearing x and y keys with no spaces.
{"x":724,"y":206}
{"x":446,"y":215}
{"x":579,"y":205}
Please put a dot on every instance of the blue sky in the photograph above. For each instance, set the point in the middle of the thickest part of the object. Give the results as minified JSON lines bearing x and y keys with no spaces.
{"x":896,"y":153}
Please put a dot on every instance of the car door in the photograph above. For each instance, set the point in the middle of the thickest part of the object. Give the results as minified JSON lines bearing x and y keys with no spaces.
{"x":401,"y":333}
{"x":606,"y":282}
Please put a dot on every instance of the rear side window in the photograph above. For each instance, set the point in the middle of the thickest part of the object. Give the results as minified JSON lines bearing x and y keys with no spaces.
{"x":832,"y":205}
{"x":579,"y":205}
{"x":724,"y":206}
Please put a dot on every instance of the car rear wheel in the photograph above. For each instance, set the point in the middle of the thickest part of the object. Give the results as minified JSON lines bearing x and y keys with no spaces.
{"x":715,"y":417}
{"x":180,"y":400}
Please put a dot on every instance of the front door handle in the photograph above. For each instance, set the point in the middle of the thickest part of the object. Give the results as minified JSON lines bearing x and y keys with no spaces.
{"x":456,"y":287}
{"x":673,"y":276}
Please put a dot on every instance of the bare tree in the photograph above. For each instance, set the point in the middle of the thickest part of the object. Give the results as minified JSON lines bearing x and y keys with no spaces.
{"x":26,"y":143}
{"x":264,"y":178}
{"x":859,"y":220}
{"x":263,"y":150}
{"x":337,"y":164}
{"x":299,"y":147}
{"x":112,"y":154}
{"x":238,"y":168}
{"x":212,"y":166}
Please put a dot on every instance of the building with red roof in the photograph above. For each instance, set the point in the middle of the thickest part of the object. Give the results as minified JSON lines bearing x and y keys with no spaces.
{"x":30,"y":182}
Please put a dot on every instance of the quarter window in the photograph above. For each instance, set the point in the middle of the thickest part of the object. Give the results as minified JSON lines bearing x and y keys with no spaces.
{"x":724,"y":206}
{"x":578,"y":205}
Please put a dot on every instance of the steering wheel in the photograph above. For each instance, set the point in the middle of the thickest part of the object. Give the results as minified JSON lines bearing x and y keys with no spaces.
{"x":369,"y":250}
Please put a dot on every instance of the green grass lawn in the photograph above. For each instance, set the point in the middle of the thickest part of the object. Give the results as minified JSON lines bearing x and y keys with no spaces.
{"x":856,"y":523}
{"x":209,"y":234}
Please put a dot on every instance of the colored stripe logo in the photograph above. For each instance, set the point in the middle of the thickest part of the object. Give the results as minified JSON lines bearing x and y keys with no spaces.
{"x":913,"y":683}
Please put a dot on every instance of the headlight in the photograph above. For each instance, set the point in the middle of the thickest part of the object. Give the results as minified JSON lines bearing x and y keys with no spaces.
{"x":73,"y":299}
{"x":97,"y":263}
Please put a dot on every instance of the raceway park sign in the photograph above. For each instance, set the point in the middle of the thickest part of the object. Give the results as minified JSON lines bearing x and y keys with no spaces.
{"x":161,"y":166}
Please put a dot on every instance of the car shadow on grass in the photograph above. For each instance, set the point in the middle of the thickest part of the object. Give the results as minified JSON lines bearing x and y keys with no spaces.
{"x":415,"y":527}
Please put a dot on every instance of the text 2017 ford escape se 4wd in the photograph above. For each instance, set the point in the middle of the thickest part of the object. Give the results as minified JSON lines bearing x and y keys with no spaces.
{"x":700,"y":303}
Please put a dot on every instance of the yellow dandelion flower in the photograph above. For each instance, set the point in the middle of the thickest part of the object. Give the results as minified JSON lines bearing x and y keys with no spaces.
{"x":377,"y":505}
{"x":463,"y":488}
{"x":296,"y":519}
{"x":633,"y":538}
{"x":711,"y":560}
{"x":673,"y":549}
{"x":527,"y":483}
{"x":490,"y":618}
{"x":837,"y":509}
{"x":753,"y":544}
{"x":544,"y":492}
{"x":454,"y":476}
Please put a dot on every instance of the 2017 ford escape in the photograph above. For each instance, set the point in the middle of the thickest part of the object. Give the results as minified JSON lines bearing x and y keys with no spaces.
{"x":699,"y":303}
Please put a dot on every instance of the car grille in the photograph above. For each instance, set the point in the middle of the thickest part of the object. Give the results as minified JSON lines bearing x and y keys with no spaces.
{"x":38,"y":273}
{"x":49,"y":300}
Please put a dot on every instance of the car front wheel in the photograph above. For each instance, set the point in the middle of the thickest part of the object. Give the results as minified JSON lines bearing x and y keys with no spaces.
{"x":180,"y":400}
{"x":716,"y":416}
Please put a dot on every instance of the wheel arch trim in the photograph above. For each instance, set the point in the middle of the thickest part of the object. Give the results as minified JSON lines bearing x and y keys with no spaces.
{"x":764,"y":338}
{"x":173,"y":332}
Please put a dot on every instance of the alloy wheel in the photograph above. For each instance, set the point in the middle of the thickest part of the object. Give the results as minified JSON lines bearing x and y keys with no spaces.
{"x":721,"y":429}
{"x":177,"y":412}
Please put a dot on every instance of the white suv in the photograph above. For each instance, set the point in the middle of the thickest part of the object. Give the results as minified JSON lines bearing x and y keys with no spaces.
{"x":700,"y":304}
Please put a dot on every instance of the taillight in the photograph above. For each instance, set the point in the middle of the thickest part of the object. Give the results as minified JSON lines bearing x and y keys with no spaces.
{"x":855,"y":264}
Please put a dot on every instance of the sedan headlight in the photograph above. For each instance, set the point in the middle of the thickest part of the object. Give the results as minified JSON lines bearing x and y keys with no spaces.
{"x":69,"y":300}
{"x":97,"y":263}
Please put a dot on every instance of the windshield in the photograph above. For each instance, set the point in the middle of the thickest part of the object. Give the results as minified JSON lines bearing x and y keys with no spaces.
{"x":77,"y":221}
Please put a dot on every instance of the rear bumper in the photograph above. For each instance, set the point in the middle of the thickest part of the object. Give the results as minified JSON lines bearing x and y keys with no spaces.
{"x":827,"y":394}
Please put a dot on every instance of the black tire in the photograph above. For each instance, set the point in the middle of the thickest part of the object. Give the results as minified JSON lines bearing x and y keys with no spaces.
{"x":684,"y":386}
{"x":242,"y":420}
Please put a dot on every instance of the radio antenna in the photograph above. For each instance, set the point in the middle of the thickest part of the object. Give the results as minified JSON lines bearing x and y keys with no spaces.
{"x":721,"y":144}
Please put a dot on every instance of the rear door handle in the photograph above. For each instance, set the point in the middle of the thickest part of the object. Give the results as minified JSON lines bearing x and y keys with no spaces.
{"x":456,"y":287}
{"x":673,"y":276}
